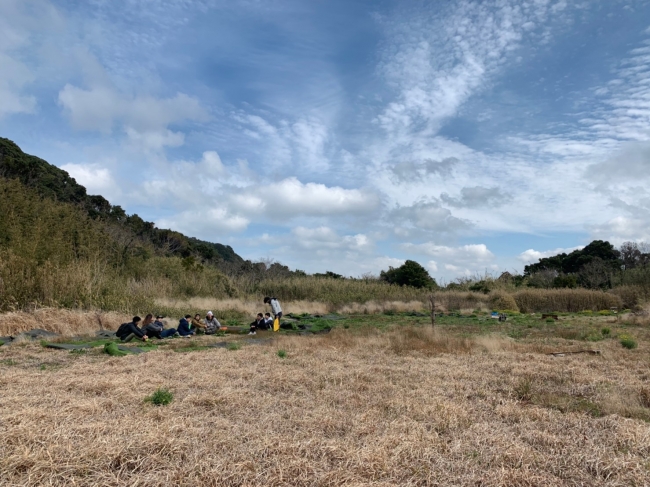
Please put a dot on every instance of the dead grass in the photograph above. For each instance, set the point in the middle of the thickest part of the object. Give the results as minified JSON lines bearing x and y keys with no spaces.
{"x":354,"y":407}
{"x":63,"y":321}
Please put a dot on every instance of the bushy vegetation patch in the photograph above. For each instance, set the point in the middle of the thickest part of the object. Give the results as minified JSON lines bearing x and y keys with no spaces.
{"x":160,"y":397}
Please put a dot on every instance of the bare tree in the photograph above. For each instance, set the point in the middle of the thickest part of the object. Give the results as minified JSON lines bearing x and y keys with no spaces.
{"x":596,"y":274}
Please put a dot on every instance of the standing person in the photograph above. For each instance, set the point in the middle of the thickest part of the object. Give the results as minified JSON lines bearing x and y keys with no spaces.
{"x":185,"y":326}
{"x":128,"y":331}
{"x":258,"y":324}
{"x":275,"y":307}
{"x":212,"y":324}
{"x":197,"y":324}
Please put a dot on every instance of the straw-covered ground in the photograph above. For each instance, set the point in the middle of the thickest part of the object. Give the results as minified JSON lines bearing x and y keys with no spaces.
{"x":358,"y":406}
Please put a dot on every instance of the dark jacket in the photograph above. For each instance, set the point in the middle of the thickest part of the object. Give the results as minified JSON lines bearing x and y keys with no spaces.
{"x":154,"y":329}
{"x":184,"y":328}
{"x":258,"y":325}
{"x":126,"y":329}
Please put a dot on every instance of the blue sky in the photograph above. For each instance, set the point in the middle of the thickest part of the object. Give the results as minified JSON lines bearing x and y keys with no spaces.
{"x":470,"y":136}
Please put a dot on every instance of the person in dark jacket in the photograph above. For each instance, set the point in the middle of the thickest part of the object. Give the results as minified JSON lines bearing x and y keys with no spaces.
{"x":156,"y":328}
{"x":258,"y":324}
{"x":185,"y":327}
{"x":128,"y":331}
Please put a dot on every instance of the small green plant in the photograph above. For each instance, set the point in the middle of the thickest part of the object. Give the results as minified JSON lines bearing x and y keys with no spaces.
{"x":282,"y":353}
{"x":606,"y":332}
{"x":44,"y":343}
{"x":628,"y":342}
{"x":8,"y":362}
{"x":346,"y":326}
{"x":550,"y":320}
{"x":233,"y":346}
{"x":594,"y":337}
{"x":523,"y":389}
{"x":161,"y":397}
{"x":43,"y":367}
{"x":604,"y":312}
{"x":111,"y":349}
{"x":232,"y":322}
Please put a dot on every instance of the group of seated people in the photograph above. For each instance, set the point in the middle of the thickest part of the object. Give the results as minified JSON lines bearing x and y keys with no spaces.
{"x":189,"y":326}
{"x":150,"y":328}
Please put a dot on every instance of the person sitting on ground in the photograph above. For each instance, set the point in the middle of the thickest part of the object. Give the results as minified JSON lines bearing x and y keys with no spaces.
{"x":197,"y":324}
{"x":212,"y":324}
{"x":128,"y":331}
{"x":275,"y":307}
{"x":156,"y":328}
{"x":258,"y":324}
{"x":185,"y":326}
{"x":268,"y":321}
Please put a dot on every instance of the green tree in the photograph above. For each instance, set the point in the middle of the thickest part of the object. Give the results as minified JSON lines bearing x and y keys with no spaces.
{"x":409,"y":274}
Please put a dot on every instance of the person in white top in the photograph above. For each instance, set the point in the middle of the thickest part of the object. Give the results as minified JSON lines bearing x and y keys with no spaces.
{"x":275,"y":307}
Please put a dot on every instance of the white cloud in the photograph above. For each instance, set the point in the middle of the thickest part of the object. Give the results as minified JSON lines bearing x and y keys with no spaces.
{"x":290,"y":198}
{"x":326,"y":239}
{"x":622,"y":229}
{"x":409,"y":171}
{"x":144,"y":117}
{"x":463,"y":253}
{"x":432,"y":266}
{"x":477,"y":197}
{"x":530,"y":256}
{"x":211,"y":224}
{"x":426,"y":216}
{"x":95,"y":178}
{"x":15,"y":76}
{"x":19,"y":19}
{"x":301,"y":145}
{"x":439,"y":58}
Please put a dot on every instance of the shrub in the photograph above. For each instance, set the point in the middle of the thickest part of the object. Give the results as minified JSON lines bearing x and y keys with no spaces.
{"x":160,"y":397}
{"x":606,"y":332}
{"x":628,"y":342}
{"x":282,"y":353}
{"x":503,"y":301}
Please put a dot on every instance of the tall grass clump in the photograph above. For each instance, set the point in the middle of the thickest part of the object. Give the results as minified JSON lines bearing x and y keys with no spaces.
{"x":335,"y":292}
{"x":564,"y":300}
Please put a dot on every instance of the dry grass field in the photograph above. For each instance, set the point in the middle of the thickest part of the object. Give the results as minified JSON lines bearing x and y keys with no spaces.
{"x":399,"y":405}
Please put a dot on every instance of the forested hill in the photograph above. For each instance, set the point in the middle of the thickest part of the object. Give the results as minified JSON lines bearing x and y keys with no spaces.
{"x":50,"y":182}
